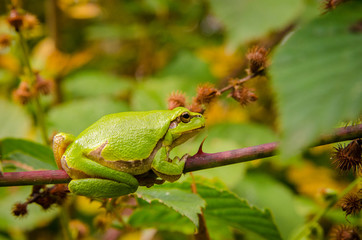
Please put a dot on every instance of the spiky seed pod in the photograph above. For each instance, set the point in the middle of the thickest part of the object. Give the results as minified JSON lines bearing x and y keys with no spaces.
{"x":342,"y":232}
{"x":20,"y":209}
{"x":176,"y":99}
{"x":347,"y":158}
{"x":206,"y":93}
{"x":351,"y":204}
{"x":196,"y":107}
{"x":243,"y":95}
{"x":257,"y":57}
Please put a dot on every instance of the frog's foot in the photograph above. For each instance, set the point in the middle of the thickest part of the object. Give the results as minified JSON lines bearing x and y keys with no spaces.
{"x":148,"y":179}
{"x":100,"y":188}
{"x":60,"y":143}
{"x":170,"y":171}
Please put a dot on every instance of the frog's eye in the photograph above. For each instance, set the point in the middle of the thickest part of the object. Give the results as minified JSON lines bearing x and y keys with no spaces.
{"x":185,"y":117}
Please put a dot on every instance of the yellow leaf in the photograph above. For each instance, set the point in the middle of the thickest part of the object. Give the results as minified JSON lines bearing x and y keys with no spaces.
{"x":84,"y":11}
{"x":223,"y":61}
{"x":218,"y":113}
{"x":88,"y":207}
{"x":311,"y":180}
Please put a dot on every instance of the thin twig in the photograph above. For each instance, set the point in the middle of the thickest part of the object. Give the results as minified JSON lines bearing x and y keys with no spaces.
{"x":197,"y":162}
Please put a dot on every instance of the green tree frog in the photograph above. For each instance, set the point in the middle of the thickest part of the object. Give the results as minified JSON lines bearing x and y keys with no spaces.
{"x":121,"y":151}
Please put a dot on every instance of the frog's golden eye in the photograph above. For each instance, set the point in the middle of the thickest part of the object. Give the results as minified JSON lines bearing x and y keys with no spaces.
{"x":185,"y":117}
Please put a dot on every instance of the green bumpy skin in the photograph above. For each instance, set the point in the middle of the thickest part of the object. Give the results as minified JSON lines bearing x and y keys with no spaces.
{"x":105,"y":158}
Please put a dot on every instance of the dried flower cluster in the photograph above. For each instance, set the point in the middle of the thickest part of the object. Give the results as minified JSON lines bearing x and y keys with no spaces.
{"x":176,"y":99}
{"x":243,"y":95}
{"x":15,"y":19}
{"x":347,"y":158}
{"x":22,"y":21}
{"x":25,"y":92}
{"x":43,"y":196}
{"x":22,"y":94}
{"x":342,"y":232}
{"x":5,"y":40}
{"x":207,"y":92}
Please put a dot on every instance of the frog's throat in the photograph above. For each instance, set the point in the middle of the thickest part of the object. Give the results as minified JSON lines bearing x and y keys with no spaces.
{"x":185,"y":136}
{"x":134,"y":167}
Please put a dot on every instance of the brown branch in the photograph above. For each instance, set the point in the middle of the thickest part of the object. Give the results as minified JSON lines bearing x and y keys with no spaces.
{"x":197,"y":162}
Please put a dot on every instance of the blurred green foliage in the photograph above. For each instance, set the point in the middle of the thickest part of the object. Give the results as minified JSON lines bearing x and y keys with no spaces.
{"x":112,"y":56}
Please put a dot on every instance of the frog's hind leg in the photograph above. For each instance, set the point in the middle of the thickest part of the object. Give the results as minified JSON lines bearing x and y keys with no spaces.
{"x":103,"y":182}
{"x":60,"y":143}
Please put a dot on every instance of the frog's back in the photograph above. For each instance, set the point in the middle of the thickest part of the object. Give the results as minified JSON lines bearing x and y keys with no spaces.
{"x":126,"y":136}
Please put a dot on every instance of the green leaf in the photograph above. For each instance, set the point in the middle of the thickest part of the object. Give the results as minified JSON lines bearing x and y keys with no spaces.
{"x":249,"y":19}
{"x":236,"y":212}
{"x":228,"y":209}
{"x":260,"y":190}
{"x":159,"y":216}
{"x":14,"y":120}
{"x":73,"y":117}
{"x":185,"y":203}
{"x":318,"y":77}
{"x":91,"y":83}
{"x":29,"y":153}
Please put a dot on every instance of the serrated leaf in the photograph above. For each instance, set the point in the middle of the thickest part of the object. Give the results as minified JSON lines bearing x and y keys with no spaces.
{"x":259,"y":189}
{"x":227,"y":208}
{"x":236,"y":212}
{"x":185,"y":203}
{"x":26,"y":152}
{"x":318,"y":77}
{"x":249,"y":19}
{"x":161,"y":217}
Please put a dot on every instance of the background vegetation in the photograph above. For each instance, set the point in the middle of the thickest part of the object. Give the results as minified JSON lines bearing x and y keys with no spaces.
{"x":70,"y":62}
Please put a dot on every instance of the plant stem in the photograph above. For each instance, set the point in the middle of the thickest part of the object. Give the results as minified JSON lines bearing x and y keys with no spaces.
{"x":209,"y":160}
{"x":30,"y":72}
{"x":197,"y":162}
{"x":64,"y":221}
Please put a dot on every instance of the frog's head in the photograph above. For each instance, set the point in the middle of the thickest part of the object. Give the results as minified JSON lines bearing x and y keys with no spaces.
{"x":184,"y":125}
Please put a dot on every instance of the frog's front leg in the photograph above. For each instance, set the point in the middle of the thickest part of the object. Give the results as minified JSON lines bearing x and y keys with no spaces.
{"x":103,"y":182}
{"x":166,"y":169}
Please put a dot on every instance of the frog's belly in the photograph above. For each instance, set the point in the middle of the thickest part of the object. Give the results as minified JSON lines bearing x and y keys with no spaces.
{"x":134,"y":167}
